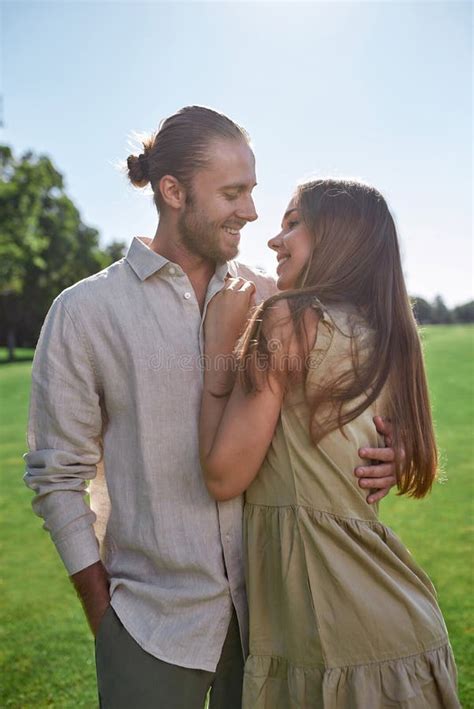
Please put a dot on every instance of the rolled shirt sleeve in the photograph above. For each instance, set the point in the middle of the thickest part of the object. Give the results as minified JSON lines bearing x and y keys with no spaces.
{"x":64,"y":436}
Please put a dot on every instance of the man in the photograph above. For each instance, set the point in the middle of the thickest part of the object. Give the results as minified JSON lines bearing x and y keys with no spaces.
{"x":117,"y":378}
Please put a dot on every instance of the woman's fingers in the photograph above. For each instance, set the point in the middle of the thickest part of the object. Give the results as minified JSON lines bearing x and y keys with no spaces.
{"x":239,"y":285}
{"x":232,"y":283}
{"x":248,"y":286}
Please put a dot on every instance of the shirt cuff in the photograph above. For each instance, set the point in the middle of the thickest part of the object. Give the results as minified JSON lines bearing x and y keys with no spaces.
{"x":79,"y":550}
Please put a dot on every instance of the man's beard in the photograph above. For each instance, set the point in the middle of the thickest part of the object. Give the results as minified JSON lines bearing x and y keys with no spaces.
{"x":201,"y":236}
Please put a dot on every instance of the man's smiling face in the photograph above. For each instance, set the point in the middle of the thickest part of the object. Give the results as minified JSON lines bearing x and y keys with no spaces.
{"x":219,"y":202}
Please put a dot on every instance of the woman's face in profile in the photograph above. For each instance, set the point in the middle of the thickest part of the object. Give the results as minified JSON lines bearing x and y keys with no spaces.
{"x":293,"y":247}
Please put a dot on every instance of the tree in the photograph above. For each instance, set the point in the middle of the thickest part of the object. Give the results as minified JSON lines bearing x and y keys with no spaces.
{"x":464,"y":313}
{"x":114,"y":251}
{"x":439,"y":312}
{"x":422,"y":310}
{"x":44,"y":245}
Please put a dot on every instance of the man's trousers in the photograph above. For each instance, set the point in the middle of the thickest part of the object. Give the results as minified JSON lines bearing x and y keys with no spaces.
{"x":130,"y":678}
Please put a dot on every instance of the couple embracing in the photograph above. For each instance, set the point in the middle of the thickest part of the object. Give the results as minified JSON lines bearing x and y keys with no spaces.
{"x":298,"y":597}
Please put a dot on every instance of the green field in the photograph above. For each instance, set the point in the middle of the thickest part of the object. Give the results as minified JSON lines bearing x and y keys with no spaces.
{"x":20,"y":354}
{"x":46,"y":651}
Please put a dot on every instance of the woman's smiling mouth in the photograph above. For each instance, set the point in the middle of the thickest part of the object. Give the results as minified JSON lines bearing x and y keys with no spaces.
{"x":282,"y":260}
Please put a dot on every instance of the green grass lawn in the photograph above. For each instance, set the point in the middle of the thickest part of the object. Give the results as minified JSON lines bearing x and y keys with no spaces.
{"x":438,"y":530}
{"x":46,"y":650}
{"x":21,"y":354}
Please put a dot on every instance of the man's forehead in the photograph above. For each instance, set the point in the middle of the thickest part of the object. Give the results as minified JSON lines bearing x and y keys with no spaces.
{"x":232,"y":161}
{"x":230,"y":147}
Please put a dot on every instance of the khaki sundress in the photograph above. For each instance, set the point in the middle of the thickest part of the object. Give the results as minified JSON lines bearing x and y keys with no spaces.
{"x":340,"y":614}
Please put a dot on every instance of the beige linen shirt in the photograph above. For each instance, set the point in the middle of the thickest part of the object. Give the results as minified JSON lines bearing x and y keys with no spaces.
{"x":116,"y":387}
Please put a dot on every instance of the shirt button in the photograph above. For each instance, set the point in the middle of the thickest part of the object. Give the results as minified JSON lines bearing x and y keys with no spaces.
{"x":172,"y":270}
{"x":187,"y":296}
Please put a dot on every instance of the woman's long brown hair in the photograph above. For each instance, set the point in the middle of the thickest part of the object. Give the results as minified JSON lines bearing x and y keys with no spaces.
{"x":355,"y":261}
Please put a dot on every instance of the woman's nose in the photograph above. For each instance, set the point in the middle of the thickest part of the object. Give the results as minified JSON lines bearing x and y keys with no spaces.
{"x":275,"y":242}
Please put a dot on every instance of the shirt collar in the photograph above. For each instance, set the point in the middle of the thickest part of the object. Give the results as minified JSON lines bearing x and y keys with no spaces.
{"x":146,"y":262}
{"x":143,"y":260}
{"x":226,"y":269}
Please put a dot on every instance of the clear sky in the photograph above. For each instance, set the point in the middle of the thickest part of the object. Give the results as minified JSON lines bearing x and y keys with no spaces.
{"x":376,"y":90}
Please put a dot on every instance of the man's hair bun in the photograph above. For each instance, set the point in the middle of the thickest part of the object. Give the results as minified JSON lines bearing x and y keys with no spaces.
{"x":138,"y":173}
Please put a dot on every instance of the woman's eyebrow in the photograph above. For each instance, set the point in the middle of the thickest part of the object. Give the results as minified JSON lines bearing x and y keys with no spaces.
{"x":287,"y":214}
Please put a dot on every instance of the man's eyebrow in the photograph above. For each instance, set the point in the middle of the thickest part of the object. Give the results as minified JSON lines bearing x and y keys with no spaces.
{"x":237,"y":186}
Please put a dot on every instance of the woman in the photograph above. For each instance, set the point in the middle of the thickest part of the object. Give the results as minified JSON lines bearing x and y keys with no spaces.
{"x":340,"y":615}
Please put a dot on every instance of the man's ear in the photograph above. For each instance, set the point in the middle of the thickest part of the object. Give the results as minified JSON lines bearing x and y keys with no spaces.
{"x":172,"y":192}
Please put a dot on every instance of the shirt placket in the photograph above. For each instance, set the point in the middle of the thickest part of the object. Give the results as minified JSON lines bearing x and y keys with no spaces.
{"x":229,"y":513}
{"x":214,"y":287}
{"x":230,"y":516}
{"x":183,"y":288}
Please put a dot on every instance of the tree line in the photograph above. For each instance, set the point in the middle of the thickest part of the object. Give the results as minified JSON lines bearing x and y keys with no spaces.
{"x":46,"y":247}
{"x":437,"y":312}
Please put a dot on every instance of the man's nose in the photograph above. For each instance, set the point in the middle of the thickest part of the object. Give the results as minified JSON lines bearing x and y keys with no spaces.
{"x":248,"y":211}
